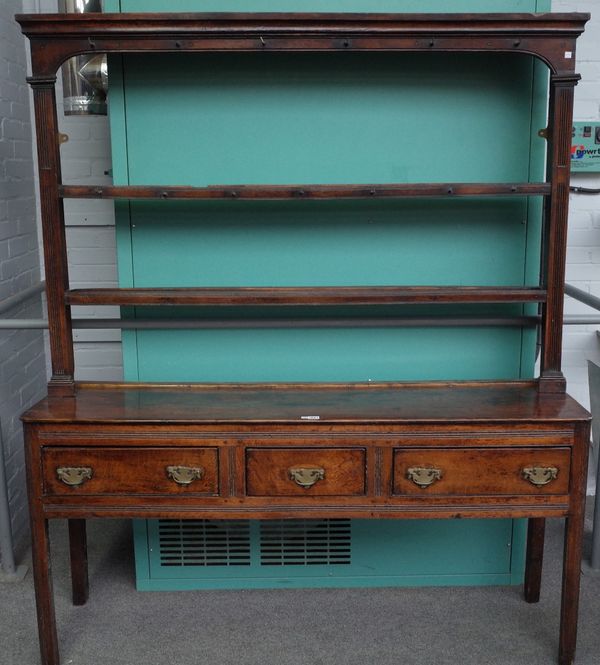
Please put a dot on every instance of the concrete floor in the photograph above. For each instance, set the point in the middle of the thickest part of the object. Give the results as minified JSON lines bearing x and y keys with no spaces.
{"x":439,"y":626}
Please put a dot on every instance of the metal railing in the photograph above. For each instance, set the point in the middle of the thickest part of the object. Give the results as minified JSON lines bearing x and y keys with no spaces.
{"x":140,"y":324}
{"x":18,"y":298}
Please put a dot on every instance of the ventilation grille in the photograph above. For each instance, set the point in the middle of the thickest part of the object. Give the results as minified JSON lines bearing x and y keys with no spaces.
{"x":204,"y":542}
{"x":305,"y":542}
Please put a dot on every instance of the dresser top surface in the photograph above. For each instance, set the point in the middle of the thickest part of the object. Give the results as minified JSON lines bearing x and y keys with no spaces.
{"x":309,"y":403}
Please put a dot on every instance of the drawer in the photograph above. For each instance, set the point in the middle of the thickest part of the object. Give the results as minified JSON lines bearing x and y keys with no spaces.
{"x":477,"y":471}
{"x":132,"y":470}
{"x":305,"y":471}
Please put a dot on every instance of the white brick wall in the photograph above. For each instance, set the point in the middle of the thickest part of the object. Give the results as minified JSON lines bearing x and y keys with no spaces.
{"x":580,"y":343}
{"x":91,"y":242}
{"x":22,"y":362}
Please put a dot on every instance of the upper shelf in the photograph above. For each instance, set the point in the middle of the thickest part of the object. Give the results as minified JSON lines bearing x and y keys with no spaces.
{"x":324,"y":295}
{"x":275,"y":192}
{"x":57,"y":37}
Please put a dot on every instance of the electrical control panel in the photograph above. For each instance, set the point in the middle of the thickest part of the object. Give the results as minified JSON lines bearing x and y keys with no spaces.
{"x":585,"y":147}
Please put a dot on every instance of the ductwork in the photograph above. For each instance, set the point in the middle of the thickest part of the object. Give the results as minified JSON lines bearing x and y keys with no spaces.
{"x":85,"y":77}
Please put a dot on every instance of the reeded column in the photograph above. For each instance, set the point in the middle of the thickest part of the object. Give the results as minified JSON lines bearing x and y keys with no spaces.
{"x":555,"y":227}
{"x":53,"y":230}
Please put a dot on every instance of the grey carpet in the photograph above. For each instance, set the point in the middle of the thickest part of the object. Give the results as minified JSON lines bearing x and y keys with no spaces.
{"x":439,"y":626}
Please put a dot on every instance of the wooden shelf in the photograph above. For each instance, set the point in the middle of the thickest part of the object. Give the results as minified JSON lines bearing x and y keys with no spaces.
{"x":324,"y":295}
{"x":272,"y":192}
{"x":302,"y":322}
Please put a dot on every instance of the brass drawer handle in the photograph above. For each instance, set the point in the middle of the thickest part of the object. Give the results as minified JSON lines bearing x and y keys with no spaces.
{"x":423,"y":476}
{"x":185,"y":475}
{"x":74,"y":475}
{"x":539,"y":475}
{"x":306,"y":476}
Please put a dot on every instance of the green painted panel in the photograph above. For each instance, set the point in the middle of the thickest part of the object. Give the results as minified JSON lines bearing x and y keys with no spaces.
{"x":234,"y":124}
{"x":343,"y":355}
{"x":381,"y":553}
{"x":334,"y":118}
{"x":328,"y":5}
{"x":311,"y":243}
{"x":327,"y":118}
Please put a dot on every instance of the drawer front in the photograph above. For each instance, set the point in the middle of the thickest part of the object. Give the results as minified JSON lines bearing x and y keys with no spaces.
{"x":305,"y":471}
{"x":481,"y":472}
{"x":85,"y":471}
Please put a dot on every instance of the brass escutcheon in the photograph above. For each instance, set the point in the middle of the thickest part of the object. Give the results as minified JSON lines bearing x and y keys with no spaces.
{"x":185,"y":475}
{"x":74,"y":475}
{"x":539,"y":475}
{"x":423,"y":476}
{"x":306,"y":476}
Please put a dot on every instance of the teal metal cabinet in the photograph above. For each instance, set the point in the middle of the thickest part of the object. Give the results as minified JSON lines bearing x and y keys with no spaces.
{"x":327,"y":118}
{"x":228,"y":554}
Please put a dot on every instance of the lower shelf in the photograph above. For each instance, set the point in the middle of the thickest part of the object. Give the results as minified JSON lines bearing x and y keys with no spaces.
{"x":176,"y":555}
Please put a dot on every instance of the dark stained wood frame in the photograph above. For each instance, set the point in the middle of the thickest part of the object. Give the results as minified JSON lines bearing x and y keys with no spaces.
{"x":377,"y":418}
{"x":54,"y":38}
{"x":304,"y":192}
{"x":339,"y":295}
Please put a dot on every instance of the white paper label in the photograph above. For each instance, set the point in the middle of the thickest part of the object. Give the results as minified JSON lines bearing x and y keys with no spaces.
{"x":310,"y":417}
{"x":568,"y":55}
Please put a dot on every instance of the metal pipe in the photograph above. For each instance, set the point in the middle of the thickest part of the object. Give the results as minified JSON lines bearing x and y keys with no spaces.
{"x":595,"y":557}
{"x":594,"y":383}
{"x":23,"y":324}
{"x":9,"y":572}
{"x":85,"y":77}
{"x":581,"y":319}
{"x":188,"y":324}
{"x":7,"y":557}
{"x":22,"y":296}
{"x":26,"y":324}
{"x":582,"y":296}
{"x":116,"y":324}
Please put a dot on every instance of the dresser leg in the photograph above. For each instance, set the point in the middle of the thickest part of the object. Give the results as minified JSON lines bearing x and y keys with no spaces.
{"x":574,"y":526}
{"x":534,"y":559}
{"x":44,"y":596}
{"x":79,"y":564}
